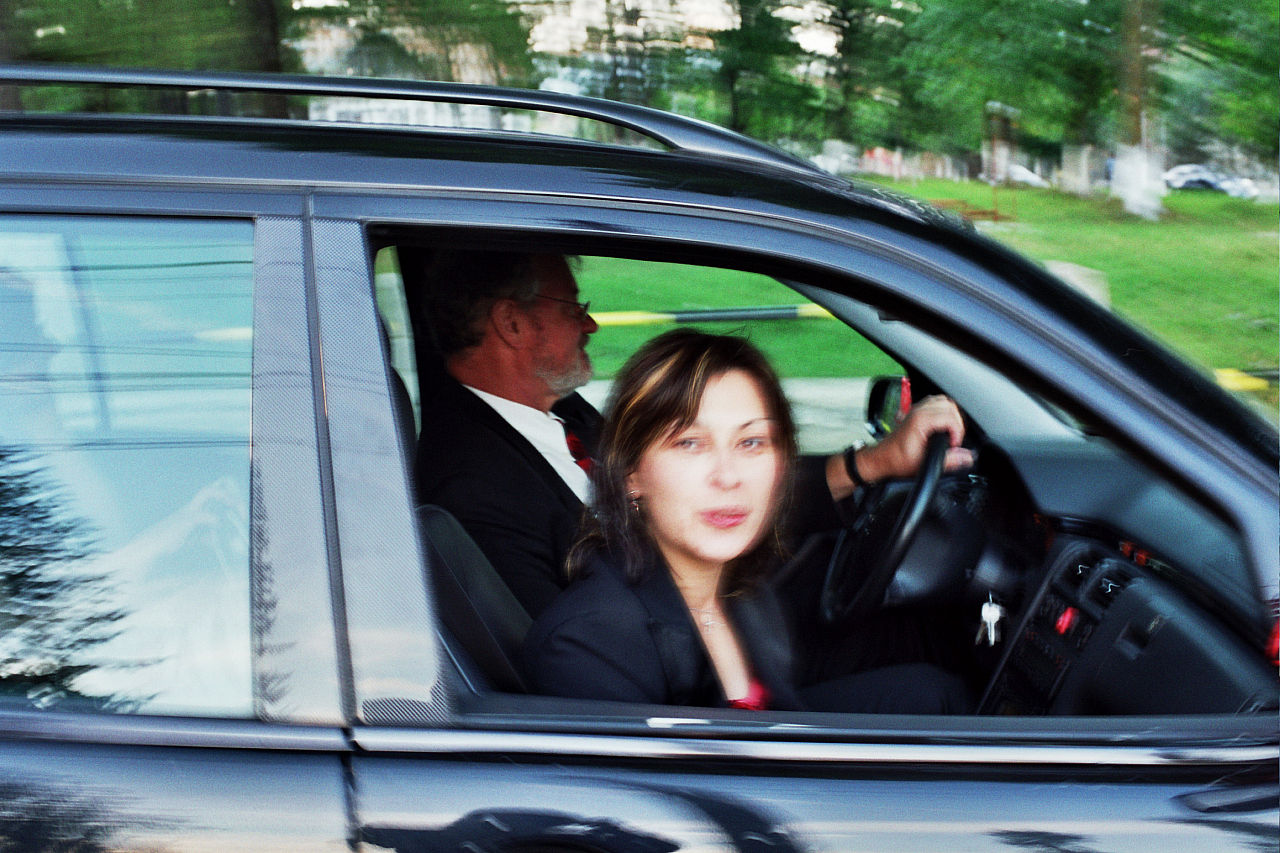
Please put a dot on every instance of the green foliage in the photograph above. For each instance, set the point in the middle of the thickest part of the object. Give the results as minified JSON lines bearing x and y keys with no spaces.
{"x":1052,"y":61}
{"x":1059,"y":62}
{"x":1202,"y":279}
{"x":913,"y":75}
{"x":866,"y":76}
{"x":1222,"y":78}
{"x":143,"y":33}
{"x":254,"y":35}
{"x":754,"y":69}
{"x":424,"y":38}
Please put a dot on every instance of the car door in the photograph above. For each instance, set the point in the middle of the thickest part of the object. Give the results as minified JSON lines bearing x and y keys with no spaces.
{"x":169,"y":667}
{"x":443,"y":762}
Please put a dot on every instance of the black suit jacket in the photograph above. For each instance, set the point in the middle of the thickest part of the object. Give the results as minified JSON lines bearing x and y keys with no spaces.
{"x":510,"y":500}
{"x":605,"y":638}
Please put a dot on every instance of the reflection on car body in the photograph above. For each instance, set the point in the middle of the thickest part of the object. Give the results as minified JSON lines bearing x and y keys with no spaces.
{"x":223,"y":623}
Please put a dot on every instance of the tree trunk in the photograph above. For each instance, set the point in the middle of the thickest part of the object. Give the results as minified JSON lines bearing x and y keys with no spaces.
{"x":1136,"y":176}
{"x":264,"y":49}
{"x":10,"y":101}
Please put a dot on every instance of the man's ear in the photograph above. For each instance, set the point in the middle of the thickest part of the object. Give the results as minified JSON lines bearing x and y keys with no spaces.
{"x":509,"y":322}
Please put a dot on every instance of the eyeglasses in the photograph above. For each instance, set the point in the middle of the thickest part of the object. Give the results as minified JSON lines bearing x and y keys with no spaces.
{"x":582,"y":309}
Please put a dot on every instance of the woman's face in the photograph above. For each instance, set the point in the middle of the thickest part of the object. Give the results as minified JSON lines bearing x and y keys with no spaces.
{"x":709,"y":491}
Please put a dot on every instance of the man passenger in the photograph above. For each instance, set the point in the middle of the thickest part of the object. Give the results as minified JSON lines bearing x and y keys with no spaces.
{"x":495,"y":444}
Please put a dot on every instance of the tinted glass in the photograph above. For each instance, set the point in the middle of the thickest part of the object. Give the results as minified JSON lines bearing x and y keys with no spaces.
{"x":125,"y":367}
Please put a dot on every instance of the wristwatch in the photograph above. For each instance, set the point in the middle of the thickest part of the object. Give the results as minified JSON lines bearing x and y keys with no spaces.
{"x":851,"y":467}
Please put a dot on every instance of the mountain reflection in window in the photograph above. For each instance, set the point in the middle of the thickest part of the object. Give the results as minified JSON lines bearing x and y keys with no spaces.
{"x":125,"y":380}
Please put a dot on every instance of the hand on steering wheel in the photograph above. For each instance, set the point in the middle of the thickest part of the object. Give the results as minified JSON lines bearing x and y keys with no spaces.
{"x":870,"y":549}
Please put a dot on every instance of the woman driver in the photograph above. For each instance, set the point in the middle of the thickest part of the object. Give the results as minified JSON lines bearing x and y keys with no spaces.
{"x":670,"y":604}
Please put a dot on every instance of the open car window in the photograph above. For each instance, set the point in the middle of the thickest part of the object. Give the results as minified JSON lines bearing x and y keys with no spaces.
{"x":826,"y":367}
{"x":1112,"y":583}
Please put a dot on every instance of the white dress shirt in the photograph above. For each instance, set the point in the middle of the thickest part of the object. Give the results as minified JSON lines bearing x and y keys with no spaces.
{"x":545,"y":432}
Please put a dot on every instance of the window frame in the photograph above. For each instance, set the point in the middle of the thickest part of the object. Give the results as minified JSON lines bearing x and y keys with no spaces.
{"x":286,"y":454}
{"x":918,"y":280}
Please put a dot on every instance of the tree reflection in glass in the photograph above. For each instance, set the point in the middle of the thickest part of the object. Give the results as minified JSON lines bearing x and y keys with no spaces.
{"x":53,"y":613}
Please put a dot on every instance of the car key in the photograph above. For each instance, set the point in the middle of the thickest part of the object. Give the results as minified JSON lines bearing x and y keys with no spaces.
{"x":989,"y":630}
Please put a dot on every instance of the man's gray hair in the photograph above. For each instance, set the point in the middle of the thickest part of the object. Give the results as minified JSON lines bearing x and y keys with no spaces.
{"x":461,"y":288}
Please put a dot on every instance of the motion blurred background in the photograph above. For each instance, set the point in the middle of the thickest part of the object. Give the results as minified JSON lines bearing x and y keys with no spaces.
{"x":1130,"y":145}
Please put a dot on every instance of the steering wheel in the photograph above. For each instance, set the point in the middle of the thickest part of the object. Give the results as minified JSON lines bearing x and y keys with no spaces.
{"x":870,"y":548}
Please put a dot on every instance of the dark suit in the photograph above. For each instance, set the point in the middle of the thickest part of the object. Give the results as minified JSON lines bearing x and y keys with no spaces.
{"x":607,"y":639}
{"x":500,"y":488}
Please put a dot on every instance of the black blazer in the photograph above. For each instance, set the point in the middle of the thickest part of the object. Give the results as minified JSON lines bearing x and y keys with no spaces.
{"x":473,"y":463}
{"x":605,"y":638}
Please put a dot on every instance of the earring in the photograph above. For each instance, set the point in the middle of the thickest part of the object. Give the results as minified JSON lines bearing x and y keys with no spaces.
{"x":635,"y":500}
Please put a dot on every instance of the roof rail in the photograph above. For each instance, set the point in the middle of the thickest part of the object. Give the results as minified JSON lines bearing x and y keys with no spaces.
{"x":675,"y":132}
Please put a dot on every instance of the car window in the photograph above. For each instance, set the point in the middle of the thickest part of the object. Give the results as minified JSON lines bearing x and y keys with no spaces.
{"x":125,"y":375}
{"x":826,"y":367}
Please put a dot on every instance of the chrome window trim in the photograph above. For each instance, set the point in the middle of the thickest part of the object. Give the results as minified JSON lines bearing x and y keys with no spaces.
{"x":146,"y":197}
{"x":809,"y":752}
{"x":167,"y":731}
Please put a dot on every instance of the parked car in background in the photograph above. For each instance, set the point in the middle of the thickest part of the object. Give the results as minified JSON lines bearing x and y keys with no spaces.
{"x":1199,"y":177}
{"x":226,"y":623}
{"x":1022,"y":175}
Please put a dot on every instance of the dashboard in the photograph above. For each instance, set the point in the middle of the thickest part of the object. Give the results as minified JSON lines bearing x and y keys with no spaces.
{"x":1122,"y":592}
{"x":1104,"y":634}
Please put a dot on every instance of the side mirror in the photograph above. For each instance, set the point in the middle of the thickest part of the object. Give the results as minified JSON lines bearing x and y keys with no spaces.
{"x":888,"y":402}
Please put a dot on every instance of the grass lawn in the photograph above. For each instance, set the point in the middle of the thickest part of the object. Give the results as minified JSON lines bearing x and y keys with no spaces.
{"x":1205,"y":278}
{"x":812,"y":347}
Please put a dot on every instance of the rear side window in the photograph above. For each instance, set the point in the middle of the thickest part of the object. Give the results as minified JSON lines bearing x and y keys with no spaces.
{"x":125,"y":377}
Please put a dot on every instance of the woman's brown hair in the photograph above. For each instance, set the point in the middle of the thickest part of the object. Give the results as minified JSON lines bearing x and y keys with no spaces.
{"x":657,"y":393}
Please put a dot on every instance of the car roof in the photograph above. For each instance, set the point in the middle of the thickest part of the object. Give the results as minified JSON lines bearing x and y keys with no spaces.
{"x":248,"y":148}
{"x":705,"y":166}
{"x":304,"y":155}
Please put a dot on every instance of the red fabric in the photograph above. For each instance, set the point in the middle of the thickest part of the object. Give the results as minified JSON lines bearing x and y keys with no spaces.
{"x":576,"y":450}
{"x":757,"y":698}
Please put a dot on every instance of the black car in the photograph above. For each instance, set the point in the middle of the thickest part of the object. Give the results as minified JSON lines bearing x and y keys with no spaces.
{"x":227,"y":624}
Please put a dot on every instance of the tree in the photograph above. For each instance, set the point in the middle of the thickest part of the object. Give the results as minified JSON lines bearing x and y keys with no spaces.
{"x":1054,"y":61}
{"x":864,"y":83}
{"x":1220,"y":67}
{"x":53,"y":613}
{"x":754,"y":61}
{"x":255,"y":35}
{"x":1090,"y":72}
{"x":178,"y":34}
{"x":477,"y":41}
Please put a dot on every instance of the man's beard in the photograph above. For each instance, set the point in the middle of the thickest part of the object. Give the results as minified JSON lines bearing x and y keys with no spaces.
{"x":567,"y":380}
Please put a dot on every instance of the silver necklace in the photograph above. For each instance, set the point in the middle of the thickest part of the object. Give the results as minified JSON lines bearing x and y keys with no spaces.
{"x":706,"y":616}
